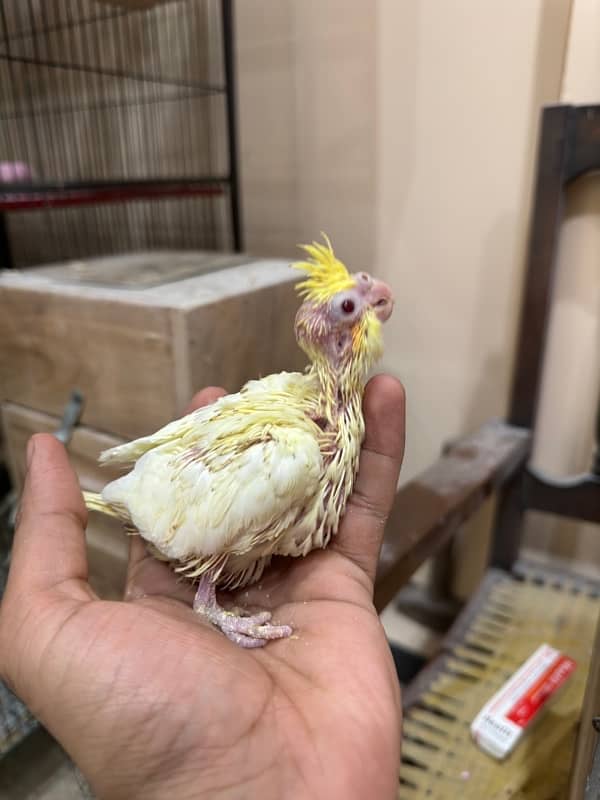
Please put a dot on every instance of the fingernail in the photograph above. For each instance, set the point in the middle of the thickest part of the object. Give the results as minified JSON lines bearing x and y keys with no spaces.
{"x":30,"y":451}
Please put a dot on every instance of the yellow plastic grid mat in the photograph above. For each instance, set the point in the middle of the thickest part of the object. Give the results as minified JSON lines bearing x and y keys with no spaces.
{"x":439,"y":759}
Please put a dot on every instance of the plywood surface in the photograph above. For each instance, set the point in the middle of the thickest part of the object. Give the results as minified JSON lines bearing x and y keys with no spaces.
{"x":20,"y":423}
{"x":258,"y":338}
{"x":161,"y":279}
{"x":120,"y":358}
{"x":107,"y":543}
{"x":140,"y":270}
{"x":587,"y":736}
{"x":138,"y":354}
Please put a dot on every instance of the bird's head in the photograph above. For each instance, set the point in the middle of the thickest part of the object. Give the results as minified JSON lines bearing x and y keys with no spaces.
{"x":340,"y":319}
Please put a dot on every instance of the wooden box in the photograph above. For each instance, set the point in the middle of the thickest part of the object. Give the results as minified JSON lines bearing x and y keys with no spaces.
{"x":139,"y":334}
{"x":107,"y":543}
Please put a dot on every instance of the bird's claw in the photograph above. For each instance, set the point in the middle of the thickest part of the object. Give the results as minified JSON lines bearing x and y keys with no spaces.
{"x":246,"y":630}
{"x":244,"y":619}
{"x":259,"y":635}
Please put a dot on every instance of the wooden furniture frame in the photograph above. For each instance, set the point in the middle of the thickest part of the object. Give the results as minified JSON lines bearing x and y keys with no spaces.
{"x":430,"y":509}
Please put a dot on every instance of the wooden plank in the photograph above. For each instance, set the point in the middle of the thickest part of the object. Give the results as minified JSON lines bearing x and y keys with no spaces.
{"x":139,"y":270}
{"x":537,"y":293}
{"x":430,"y":509}
{"x":569,"y":146}
{"x":107,"y":542}
{"x":138,"y":334}
{"x":259,"y":338}
{"x":19,"y":423}
{"x":575,"y":498}
{"x":119,"y":356}
{"x":588,"y":737}
{"x":584,"y":150}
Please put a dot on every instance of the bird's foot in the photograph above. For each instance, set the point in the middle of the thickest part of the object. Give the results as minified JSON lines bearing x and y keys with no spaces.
{"x":246,"y":630}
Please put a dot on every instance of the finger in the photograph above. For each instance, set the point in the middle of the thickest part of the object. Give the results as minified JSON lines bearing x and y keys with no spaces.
{"x":49,"y":545}
{"x":205,"y":397}
{"x":362,"y":528}
{"x":145,"y":574}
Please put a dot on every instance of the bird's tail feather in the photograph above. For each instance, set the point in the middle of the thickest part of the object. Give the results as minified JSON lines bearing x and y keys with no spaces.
{"x":94,"y":502}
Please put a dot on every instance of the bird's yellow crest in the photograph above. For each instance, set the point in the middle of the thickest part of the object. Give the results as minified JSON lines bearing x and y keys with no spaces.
{"x":326,"y":274}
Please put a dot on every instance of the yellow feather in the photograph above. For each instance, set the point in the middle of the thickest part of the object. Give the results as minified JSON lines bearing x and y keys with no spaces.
{"x":326,"y":274}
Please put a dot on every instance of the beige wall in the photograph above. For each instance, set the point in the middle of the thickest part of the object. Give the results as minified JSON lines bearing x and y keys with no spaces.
{"x":571,"y":382}
{"x":407,"y":131}
{"x":581,"y":79}
{"x":460,"y":85}
{"x":308,"y":117}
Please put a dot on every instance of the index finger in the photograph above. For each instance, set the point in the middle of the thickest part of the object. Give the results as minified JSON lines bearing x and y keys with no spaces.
{"x":49,"y":544}
{"x":205,"y":397}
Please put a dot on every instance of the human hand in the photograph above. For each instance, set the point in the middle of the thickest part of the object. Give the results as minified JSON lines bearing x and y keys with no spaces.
{"x":150,"y":701}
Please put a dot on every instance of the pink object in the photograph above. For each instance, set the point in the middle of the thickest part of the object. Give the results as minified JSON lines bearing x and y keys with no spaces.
{"x":14,"y":171}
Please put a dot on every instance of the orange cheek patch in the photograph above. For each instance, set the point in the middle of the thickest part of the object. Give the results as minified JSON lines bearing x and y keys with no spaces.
{"x":358,"y":338}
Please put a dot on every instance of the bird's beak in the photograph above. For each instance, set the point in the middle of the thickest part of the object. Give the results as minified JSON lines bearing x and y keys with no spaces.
{"x":380,"y":298}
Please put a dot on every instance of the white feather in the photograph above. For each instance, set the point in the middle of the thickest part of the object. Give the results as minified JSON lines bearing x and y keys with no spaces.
{"x":229,"y":477}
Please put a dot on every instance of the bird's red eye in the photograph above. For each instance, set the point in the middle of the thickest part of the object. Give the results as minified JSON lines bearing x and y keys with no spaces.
{"x":348,"y":306}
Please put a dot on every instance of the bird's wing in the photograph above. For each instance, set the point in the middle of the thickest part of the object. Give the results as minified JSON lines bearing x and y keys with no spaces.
{"x":252,"y":482}
{"x":197,"y":425}
{"x":178,"y":430}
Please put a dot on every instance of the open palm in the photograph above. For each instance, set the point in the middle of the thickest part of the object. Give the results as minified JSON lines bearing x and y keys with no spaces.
{"x":151,"y":701}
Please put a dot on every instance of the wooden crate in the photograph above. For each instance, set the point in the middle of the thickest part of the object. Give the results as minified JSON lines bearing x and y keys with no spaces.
{"x":138,"y":334}
{"x":107,"y":543}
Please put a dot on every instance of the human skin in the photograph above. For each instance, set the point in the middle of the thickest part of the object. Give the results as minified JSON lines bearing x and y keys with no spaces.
{"x":152,"y":702}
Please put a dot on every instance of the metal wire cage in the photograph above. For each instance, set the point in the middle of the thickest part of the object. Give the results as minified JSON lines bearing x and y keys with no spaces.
{"x":117,"y":127}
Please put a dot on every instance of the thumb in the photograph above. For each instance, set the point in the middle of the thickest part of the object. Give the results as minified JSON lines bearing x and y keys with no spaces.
{"x":49,"y":545}
{"x":362,"y":528}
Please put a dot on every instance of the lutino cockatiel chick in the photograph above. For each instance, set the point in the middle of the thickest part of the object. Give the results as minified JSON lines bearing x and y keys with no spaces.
{"x":266,"y":471}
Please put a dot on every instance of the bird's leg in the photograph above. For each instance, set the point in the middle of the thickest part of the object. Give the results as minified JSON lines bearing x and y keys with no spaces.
{"x":248,"y":631}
